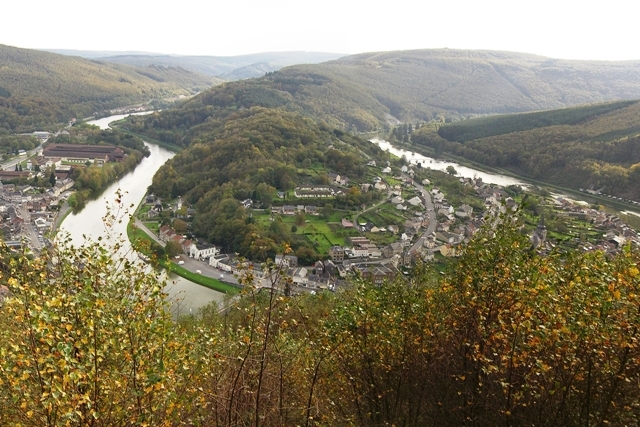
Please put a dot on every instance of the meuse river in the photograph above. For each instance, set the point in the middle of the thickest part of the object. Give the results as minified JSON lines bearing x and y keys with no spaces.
{"x":185,"y":295}
{"x":463,"y":171}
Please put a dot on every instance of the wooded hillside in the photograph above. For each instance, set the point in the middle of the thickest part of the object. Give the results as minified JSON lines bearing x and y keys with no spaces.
{"x":422,"y":83}
{"x":252,"y":153}
{"x":595,"y":146}
{"x":40,"y":88}
{"x":363,"y":92}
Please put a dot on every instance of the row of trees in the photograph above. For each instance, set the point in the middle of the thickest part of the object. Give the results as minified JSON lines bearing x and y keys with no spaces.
{"x":508,"y":338}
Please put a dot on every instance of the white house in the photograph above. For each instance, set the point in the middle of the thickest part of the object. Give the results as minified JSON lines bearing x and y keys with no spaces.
{"x":196,"y":253}
{"x":397,"y":200}
{"x":215,"y":260}
{"x":380,"y":186}
{"x":415,"y":201}
{"x":360,"y":251}
{"x":299,"y":276}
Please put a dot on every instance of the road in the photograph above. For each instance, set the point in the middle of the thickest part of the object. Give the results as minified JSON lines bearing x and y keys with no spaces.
{"x":431,"y":214}
{"x":191,"y":264}
{"x":11,"y":164}
{"x":36,"y":241}
{"x":380,"y":203}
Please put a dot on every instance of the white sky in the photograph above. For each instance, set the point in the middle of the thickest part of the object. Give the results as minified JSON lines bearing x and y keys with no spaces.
{"x":558,"y":28}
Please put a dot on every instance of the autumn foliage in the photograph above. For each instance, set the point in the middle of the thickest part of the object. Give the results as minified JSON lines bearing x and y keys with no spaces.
{"x":508,"y":338}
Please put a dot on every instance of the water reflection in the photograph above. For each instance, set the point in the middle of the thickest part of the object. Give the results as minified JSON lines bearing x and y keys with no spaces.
{"x":463,"y":171}
{"x":89,"y":224}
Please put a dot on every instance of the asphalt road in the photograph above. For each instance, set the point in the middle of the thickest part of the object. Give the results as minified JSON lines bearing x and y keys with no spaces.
{"x":431,"y":213}
{"x":191,"y":264}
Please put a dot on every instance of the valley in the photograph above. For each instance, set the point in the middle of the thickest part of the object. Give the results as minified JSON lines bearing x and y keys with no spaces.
{"x":369,"y":279}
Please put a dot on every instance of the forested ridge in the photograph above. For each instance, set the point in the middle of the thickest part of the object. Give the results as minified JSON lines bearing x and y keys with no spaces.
{"x":252,"y":154}
{"x":507,"y":338}
{"x":40,"y":89}
{"x":363,"y":92}
{"x":420,"y":84}
{"x":595,"y":146}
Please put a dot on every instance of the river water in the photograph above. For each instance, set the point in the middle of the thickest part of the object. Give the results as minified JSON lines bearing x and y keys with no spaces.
{"x":463,"y":171}
{"x":186,"y":296}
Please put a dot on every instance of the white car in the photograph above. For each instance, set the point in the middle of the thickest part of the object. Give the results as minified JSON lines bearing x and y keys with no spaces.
{"x":180,"y":262}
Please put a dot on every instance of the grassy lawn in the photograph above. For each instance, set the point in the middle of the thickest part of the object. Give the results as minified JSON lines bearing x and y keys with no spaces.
{"x":209,"y":282}
{"x":320,"y":242}
{"x":392,"y":181}
{"x":142,"y":241}
{"x":142,"y":210}
{"x":381,"y":239}
{"x":391,"y":214}
{"x":152,"y":225}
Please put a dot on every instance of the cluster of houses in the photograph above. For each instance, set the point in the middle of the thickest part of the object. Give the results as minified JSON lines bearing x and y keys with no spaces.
{"x":615,"y":233}
{"x":455,"y":225}
{"x":317,"y":192}
{"x":24,"y":206}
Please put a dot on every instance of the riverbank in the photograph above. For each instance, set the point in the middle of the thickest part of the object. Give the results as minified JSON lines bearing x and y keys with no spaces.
{"x":171,"y":147}
{"x":118,"y":200}
{"x":142,"y":241}
{"x":590,"y":198}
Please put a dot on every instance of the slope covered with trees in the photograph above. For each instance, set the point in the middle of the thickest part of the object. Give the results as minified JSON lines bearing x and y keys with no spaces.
{"x":253,"y":153}
{"x":508,"y":338}
{"x":38,"y":89}
{"x":595,"y":146}
{"x":421,"y":84}
{"x":363,"y":92}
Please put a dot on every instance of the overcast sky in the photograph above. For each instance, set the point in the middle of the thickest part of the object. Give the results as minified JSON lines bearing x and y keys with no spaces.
{"x":559,"y":28}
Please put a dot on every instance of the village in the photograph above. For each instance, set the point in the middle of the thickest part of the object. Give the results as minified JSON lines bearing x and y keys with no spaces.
{"x":417,"y":215}
{"x":417,"y":220}
{"x":30,"y":212}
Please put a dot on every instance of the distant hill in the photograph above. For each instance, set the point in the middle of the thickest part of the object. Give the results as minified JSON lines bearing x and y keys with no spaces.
{"x":418,"y":84}
{"x":41,"y":88}
{"x":96,"y":54}
{"x":225,"y":67}
{"x":364,"y":92}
